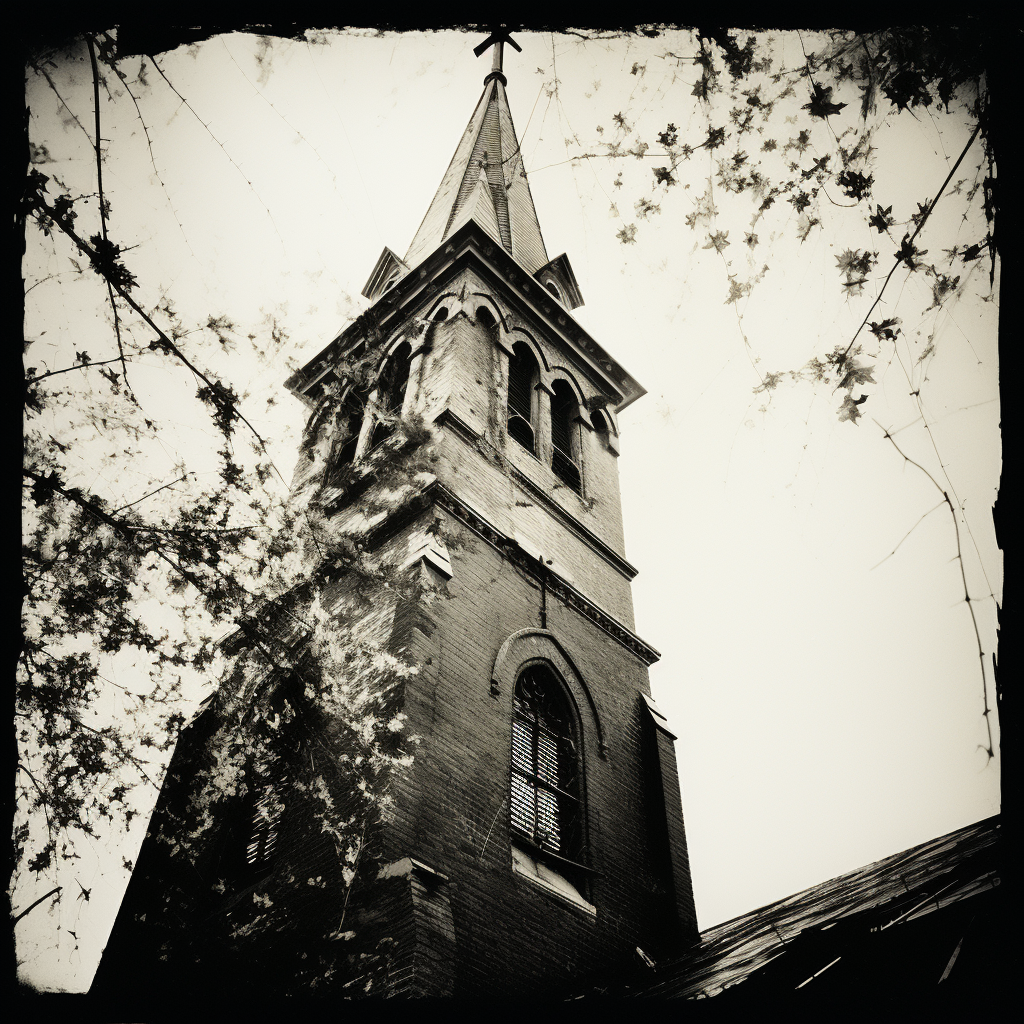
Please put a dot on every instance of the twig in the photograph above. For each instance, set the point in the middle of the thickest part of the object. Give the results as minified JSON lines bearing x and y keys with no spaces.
{"x":219,"y":143}
{"x":963,"y":576}
{"x":814,"y":88}
{"x":128,"y":532}
{"x":917,"y":231}
{"x":152,"y":159}
{"x":42,"y":797}
{"x":491,"y":829}
{"x":908,"y":533}
{"x":40,"y":71}
{"x":355,"y":867}
{"x":32,"y":906}
{"x":163,"y":340}
{"x":103,"y":203}
{"x":77,"y":366}
{"x":184,"y":476}
{"x":116,"y":742}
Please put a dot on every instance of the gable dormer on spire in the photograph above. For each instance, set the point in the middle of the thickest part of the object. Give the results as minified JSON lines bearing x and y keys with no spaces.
{"x":488,"y":148}
{"x":479,"y":206}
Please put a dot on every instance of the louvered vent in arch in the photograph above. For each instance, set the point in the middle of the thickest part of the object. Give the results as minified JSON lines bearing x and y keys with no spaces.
{"x":545,"y":795}
{"x":266,"y":819}
{"x":563,"y":459}
{"x":522,"y":375}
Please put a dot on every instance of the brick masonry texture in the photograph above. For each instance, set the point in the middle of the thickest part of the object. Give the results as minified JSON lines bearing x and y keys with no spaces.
{"x":466,"y":372}
{"x":454,"y":802}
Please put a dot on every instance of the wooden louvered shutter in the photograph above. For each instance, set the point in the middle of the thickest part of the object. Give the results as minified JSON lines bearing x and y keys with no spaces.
{"x":520,"y":399}
{"x":266,"y":819}
{"x":545,"y":791}
{"x":563,"y":462}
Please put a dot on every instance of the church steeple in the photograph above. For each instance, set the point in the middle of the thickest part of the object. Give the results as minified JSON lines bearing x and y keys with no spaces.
{"x":488,"y":151}
{"x":463,"y":437}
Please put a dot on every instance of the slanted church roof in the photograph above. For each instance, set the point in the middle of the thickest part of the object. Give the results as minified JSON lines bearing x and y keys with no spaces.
{"x":782,"y":947}
{"x":488,"y":154}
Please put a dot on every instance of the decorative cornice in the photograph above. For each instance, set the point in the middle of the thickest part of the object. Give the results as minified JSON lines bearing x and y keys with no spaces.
{"x":471,"y":241}
{"x":554,"y":583}
{"x":437,"y":494}
{"x":544,"y":309}
{"x":446,"y":418}
{"x":466,"y":433}
{"x":568,"y":520}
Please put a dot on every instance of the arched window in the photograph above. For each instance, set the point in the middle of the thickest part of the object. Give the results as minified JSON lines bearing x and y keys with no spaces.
{"x":485,"y":316}
{"x":391,"y":393}
{"x":564,"y":458}
{"x":545,"y":795}
{"x":522,"y":377}
{"x":600,"y":423}
{"x":553,"y":288}
{"x":253,"y":850}
{"x":351,"y":425}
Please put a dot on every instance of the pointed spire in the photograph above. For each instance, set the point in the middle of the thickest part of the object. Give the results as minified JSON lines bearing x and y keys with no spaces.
{"x":487,"y":158}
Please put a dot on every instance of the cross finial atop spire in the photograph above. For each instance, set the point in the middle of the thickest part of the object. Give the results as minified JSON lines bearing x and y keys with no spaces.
{"x":498,"y":38}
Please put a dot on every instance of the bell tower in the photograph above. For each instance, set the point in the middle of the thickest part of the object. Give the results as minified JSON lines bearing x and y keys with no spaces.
{"x":534,"y":842}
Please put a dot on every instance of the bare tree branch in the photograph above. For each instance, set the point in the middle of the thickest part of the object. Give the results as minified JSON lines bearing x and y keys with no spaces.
{"x":990,"y":749}
{"x":32,"y":906}
{"x":103,"y":202}
{"x":917,"y":231}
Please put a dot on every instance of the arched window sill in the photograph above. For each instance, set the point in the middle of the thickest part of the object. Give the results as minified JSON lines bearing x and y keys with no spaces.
{"x":549,"y":880}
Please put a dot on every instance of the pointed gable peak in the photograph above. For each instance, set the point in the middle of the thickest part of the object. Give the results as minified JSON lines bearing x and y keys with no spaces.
{"x":478,"y":206}
{"x":488,"y":152}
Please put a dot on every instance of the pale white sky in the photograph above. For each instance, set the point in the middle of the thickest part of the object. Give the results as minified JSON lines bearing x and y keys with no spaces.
{"x":829,"y":709}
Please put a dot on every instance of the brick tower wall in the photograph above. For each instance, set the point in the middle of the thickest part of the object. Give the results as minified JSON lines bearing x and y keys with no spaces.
{"x":453,"y":810}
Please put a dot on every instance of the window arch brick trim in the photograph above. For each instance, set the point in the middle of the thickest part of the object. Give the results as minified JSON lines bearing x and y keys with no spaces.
{"x":478,"y":299}
{"x":561,"y":373}
{"x":517,"y":335}
{"x":392,"y":347}
{"x":606,"y":411}
{"x":450,"y":300}
{"x":533,"y":645}
{"x":413,"y":332}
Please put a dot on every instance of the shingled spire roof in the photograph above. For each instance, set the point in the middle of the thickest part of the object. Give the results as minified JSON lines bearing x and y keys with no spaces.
{"x":487,"y":153}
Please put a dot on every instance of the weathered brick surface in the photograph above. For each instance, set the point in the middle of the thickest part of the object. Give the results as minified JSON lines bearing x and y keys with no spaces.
{"x":516,"y":511}
{"x":464,"y":372}
{"x":453,"y":808}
